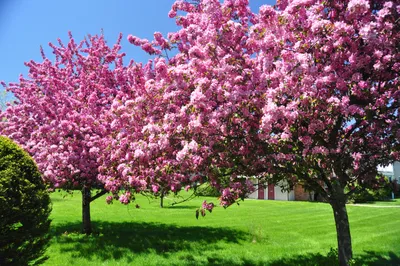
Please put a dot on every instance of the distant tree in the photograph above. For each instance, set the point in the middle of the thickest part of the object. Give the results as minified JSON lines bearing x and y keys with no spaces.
{"x":24,"y":207}
{"x":58,"y":112}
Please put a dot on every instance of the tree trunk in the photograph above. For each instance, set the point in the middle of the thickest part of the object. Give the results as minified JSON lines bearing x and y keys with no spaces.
{"x":86,"y":223}
{"x":338,"y":204}
{"x":162,"y":199}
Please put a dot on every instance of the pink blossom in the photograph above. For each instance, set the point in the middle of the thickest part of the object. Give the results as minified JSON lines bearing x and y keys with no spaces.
{"x":356,"y":156}
{"x":172,"y":14}
{"x":358,"y":6}
{"x":135,"y":40}
{"x":197,"y":96}
{"x":155,"y":188}
{"x":138,"y":153}
{"x":109,"y":199}
{"x":124,"y":199}
{"x":207,"y":206}
{"x":195,"y":52}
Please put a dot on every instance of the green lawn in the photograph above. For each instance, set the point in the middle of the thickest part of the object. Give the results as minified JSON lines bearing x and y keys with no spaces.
{"x":394,"y":202}
{"x":254,"y":233}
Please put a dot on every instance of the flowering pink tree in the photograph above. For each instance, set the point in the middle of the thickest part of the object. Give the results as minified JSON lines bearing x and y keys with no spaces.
{"x":161,"y":141}
{"x":58,"y":115}
{"x":306,"y":91}
{"x":332,"y":110}
{"x":142,"y":156}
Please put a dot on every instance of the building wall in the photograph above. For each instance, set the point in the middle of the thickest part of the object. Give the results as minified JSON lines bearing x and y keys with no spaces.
{"x":301,"y":194}
{"x":253,"y":195}
{"x":279,"y":195}
{"x":291,"y":195}
{"x":396,"y":171}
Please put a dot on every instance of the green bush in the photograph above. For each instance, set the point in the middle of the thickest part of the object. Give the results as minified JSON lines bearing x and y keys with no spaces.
{"x":206,"y":190}
{"x":24,"y":208}
{"x":364,"y":195}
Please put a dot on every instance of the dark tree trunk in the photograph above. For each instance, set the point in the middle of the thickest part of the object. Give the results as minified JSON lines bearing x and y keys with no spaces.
{"x":338,"y":203}
{"x":86,"y":199}
{"x":162,"y":199}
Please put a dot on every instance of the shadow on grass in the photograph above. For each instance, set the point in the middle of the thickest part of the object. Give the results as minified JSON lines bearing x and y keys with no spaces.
{"x":367,"y":258}
{"x":116,"y":240}
{"x":123,"y":241}
{"x":378,"y":259}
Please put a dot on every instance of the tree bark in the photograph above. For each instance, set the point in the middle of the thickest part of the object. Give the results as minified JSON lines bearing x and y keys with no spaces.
{"x":86,"y":222}
{"x":162,"y":198}
{"x":338,"y":203}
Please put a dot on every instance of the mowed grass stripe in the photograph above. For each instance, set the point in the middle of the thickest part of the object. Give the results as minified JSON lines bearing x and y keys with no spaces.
{"x":254,"y":233}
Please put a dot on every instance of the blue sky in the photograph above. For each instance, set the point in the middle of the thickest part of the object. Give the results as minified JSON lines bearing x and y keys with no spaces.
{"x":27,"y":24}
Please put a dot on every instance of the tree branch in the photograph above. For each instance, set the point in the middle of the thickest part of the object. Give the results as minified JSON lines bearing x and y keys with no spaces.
{"x":184,"y":200}
{"x":98,"y":195}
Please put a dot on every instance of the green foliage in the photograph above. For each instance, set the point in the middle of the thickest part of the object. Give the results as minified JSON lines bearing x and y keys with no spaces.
{"x":24,"y":207}
{"x":383,"y":192}
{"x":206,"y":190}
{"x":361,"y":197}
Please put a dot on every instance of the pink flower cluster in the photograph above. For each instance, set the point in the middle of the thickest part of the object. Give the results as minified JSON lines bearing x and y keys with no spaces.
{"x":208,"y":206}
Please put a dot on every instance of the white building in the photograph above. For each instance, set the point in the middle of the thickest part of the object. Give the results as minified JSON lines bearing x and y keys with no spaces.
{"x":272,"y":192}
{"x":396,"y":171}
{"x":392,"y":171}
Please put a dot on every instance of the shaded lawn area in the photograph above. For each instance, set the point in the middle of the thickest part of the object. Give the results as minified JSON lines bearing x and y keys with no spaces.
{"x":254,"y":233}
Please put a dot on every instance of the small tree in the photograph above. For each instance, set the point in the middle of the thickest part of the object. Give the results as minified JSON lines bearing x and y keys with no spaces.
{"x":24,"y":207}
{"x":58,"y":114}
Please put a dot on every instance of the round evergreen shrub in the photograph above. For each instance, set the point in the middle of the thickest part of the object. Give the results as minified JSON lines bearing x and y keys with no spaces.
{"x":24,"y":207}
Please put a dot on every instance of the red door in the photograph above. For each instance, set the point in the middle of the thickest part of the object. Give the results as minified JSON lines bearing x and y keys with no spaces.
{"x":261,"y":194}
{"x":271,"y":191}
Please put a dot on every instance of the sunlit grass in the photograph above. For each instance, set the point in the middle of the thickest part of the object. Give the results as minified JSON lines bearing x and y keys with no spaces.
{"x":393,"y":202}
{"x":254,"y":233}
